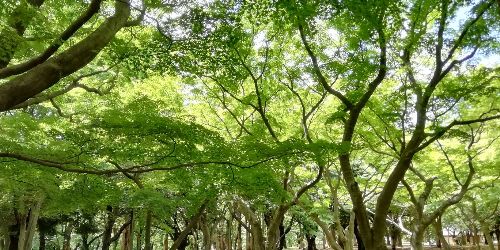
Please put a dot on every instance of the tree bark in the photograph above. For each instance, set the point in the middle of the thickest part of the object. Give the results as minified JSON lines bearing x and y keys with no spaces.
{"x":85,"y":241}
{"x":497,"y":233}
{"x":67,"y":236}
{"x":486,"y":232}
{"x":28,"y":226}
{"x":41,"y":241}
{"x":48,"y":73}
{"x":13,"y":236}
{"x":417,"y":239}
{"x":311,"y":242}
{"x":147,"y":236}
{"x":108,"y":228}
{"x":254,"y":223}
{"x":207,"y":236}
{"x":165,"y":242}
{"x":438,"y":227}
{"x":9,"y":37}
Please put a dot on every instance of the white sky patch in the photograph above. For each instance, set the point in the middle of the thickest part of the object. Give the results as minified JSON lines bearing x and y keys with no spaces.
{"x":333,"y":34}
{"x":491,"y":61}
{"x":260,"y":40}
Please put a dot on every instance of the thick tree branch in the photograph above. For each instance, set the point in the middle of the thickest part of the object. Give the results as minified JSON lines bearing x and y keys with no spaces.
{"x":192,"y":223}
{"x":75,"y":84}
{"x":68,"y":33}
{"x":48,"y":73}
{"x":8,"y":40}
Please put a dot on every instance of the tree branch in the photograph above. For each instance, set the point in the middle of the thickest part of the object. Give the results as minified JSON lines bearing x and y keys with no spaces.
{"x":317,"y":71}
{"x":443,"y":130}
{"x":48,"y":73}
{"x":68,"y":33}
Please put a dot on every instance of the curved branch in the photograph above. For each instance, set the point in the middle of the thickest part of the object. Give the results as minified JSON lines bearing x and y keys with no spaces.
{"x":75,"y":84}
{"x":65,"y":166}
{"x":68,"y":33}
{"x":48,"y":73}
{"x":442,"y":131}
{"x":318,"y":73}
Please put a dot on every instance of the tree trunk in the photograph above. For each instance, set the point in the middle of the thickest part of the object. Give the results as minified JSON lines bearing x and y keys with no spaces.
{"x":5,"y":242}
{"x":249,"y":241}
{"x":207,"y":236}
{"x":311,"y":242}
{"x":438,"y":227}
{"x":486,"y":232}
{"x":127,"y":236}
{"x":327,"y":231}
{"x":27,"y":225}
{"x":165,"y":242}
{"x":254,"y":224}
{"x":138,"y":239}
{"x":42,"y":243}
{"x":417,"y":239}
{"x":475,"y":238}
{"x":497,"y":233}
{"x":239,"y":241}
{"x":85,"y":241}
{"x":67,"y":236}
{"x":108,"y":228}
{"x":359,"y":240}
{"x":394,"y":238}
{"x":282,"y":235}
{"x":13,"y":236}
{"x":147,"y":236}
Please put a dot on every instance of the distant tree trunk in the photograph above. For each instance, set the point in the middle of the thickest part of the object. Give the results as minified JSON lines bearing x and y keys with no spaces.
{"x":41,"y":237}
{"x":282,"y":234}
{"x":128,"y":234}
{"x":207,"y":237}
{"x":486,"y":232}
{"x":67,"y":236}
{"x":13,"y":236}
{"x":438,"y":227}
{"x":85,"y":241}
{"x":395,"y":235}
{"x":27,"y":225}
{"x":3,"y":242}
{"x":181,"y":241}
{"x":147,"y":236}
{"x":249,"y":240}
{"x":257,"y":242}
{"x":165,"y":242}
{"x":497,"y":234}
{"x":417,"y":238}
{"x":138,"y":239}
{"x":311,"y":242}
{"x":108,"y":228}
{"x":475,"y":238}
